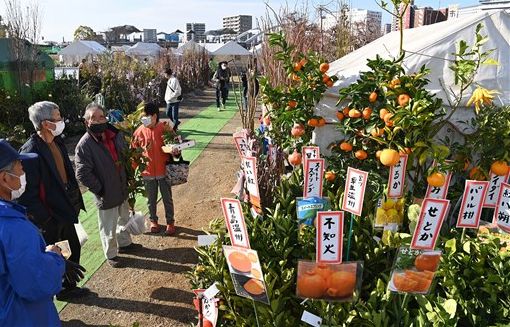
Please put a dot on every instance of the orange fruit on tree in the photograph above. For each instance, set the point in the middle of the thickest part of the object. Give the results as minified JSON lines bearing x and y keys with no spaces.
{"x":389,"y":157}
{"x":325,"y":78}
{"x":354,"y":113}
{"x":330,"y":176}
{"x":427,"y":262}
{"x":313,"y":122}
{"x":295,"y":78}
{"x":361,"y":154}
{"x":343,"y":282}
{"x":372,"y":97}
{"x":329,"y":83}
{"x":403,"y":100}
{"x":383,"y":113}
{"x":477,"y":174}
{"x":346,"y":146}
{"x":321,"y":122}
{"x":367,"y":112}
{"x":297,"y":130}
{"x":297,"y":66}
{"x":303,"y":62}
{"x":324,"y":67}
{"x":311,"y":285}
{"x":266,"y":120}
{"x":387,"y":119}
{"x":340,"y":115}
{"x":378,"y":154}
{"x":500,"y":168}
{"x":295,"y":158}
{"x":346,"y":111}
{"x":292,"y":103}
{"x":436,"y":179}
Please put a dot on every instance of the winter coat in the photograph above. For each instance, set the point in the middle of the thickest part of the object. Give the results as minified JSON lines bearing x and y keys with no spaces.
{"x":46,"y":197}
{"x":29,"y":276}
{"x":97,"y":171}
{"x":173,"y":90}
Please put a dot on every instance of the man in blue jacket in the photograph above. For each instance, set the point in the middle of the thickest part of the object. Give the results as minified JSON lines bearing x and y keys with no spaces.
{"x":30,"y":272}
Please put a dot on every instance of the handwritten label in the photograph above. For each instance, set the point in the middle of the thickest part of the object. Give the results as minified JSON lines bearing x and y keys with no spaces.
{"x":234,"y":220}
{"x":314,"y":173}
{"x":502,"y":212}
{"x":472,"y":202}
{"x":209,"y":308}
{"x":354,"y":193}
{"x":242,"y":143}
{"x":495,"y":182}
{"x":433,"y":212}
{"x":250,"y":174}
{"x":329,"y":237}
{"x":310,"y":152}
{"x":311,"y":319}
{"x":397,"y":178}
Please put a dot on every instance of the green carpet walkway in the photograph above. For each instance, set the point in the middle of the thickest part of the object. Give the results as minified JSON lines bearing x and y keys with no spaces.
{"x":201,"y":128}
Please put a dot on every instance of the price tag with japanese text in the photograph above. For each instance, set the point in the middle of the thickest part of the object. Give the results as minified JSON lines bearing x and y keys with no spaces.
{"x":397,"y":178}
{"x":242,"y":143}
{"x":502,"y":212}
{"x":310,"y":152}
{"x":435,"y":192}
{"x":250,"y":175}
{"x":314,"y":173}
{"x":329,"y":236}
{"x":432,"y":214}
{"x":354,"y":193}
{"x":209,"y":308}
{"x":472,"y":202}
{"x":495,"y":182}
{"x":234,"y":219}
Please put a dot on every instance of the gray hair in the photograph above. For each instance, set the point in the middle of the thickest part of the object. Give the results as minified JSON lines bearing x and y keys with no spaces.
{"x":41,"y":111}
{"x":91,"y":107}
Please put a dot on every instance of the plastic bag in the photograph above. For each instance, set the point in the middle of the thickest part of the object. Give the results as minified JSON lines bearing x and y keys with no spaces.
{"x":82,"y":234}
{"x":136,"y":224}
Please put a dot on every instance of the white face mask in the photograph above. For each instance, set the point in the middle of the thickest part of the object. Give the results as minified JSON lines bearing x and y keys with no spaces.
{"x":23,"y":181}
{"x":223,"y":67}
{"x":146,"y":120}
{"x":59,"y":128}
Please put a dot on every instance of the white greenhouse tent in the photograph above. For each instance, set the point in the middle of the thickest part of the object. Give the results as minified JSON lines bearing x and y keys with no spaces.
{"x":143,"y":50}
{"x":190,"y":46}
{"x":231,"y":48}
{"x":78,"y":50}
{"x":433,"y":46}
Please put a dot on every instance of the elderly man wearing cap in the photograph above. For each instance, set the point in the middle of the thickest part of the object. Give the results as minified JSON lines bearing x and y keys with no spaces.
{"x":30,"y":272}
{"x":52,"y":197}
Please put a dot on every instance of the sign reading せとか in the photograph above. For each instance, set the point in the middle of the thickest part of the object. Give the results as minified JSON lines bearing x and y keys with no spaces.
{"x":432,"y":214}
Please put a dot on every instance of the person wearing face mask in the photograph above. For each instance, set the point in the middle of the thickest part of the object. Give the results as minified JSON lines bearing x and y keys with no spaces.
{"x":30,"y":272}
{"x":149,"y":136}
{"x":222,"y":80}
{"x":173,"y":97}
{"x":53,"y":198}
{"x":98,"y":158}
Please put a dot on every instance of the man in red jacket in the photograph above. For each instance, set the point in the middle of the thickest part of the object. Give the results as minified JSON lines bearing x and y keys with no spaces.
{"x":149,"y":136}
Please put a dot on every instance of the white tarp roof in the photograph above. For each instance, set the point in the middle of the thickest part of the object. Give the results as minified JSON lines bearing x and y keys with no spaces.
{"x":211,"y":47}
{"x":190,"y":45}
{"x":433,"y":46}
{"x":79,"y":50}
{"x":144,"y":50}
{"x":231,"y":48}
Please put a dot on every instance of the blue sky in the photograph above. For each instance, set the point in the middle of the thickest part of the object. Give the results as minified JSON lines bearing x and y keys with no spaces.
{"x":61,"y":17}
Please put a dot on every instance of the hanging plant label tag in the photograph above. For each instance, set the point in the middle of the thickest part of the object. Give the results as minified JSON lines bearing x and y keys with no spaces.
{"x":234,"y":219}
{"x":354,"y":193}
{"x":397,"y":178}
{"x":472,"y":201}
{"x":311,"y":319}
{"x":502,"y":212}
{"x":314,"y":173}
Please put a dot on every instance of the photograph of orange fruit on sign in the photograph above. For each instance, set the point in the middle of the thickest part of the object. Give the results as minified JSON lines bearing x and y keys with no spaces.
{"x":414,"y":270}
{"x":332,"y":282}
{"x":246,"y":273}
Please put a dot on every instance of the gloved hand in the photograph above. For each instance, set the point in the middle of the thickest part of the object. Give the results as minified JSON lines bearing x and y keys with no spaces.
{"x":74,"y":272}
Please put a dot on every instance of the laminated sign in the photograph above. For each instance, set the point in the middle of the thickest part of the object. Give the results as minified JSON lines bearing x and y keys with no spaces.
{"x":250,"y":174}
{"x":354,"y":193}
{"x":502,"y":212}
{"x":397,"y":178}
{"x":432,"y":214}
{"x":329,"y":237}
{"x":472,"y":202}
{"x":234,"y":220}
{"x":310,"y":152}
{"x":495,"y":182}
{"x":209,"y":309}
{"x":314,"y":173}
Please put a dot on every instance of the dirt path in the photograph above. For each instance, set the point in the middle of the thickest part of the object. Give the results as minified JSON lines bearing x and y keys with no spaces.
{"x":153,"y":290}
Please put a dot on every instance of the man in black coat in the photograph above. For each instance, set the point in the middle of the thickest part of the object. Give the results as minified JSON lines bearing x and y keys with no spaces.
{"x":52,"y":197}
